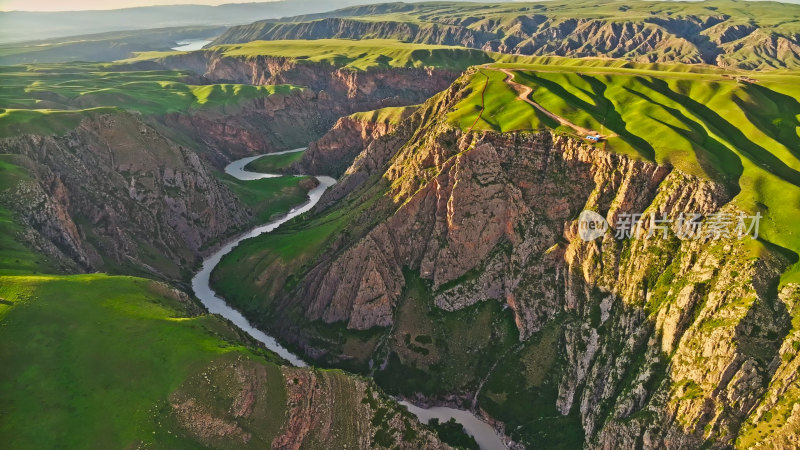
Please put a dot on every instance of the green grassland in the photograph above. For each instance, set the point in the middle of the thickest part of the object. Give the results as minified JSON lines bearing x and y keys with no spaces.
{"x":358,"y":55}
{"x":94,"y":360}
{"x":391,"y":114}
{"x":744,"y":133}
{"x":367,"y":54}
{"x":274,"y":163}
{"x":361,"y":55}
{"x":104,"y":353}
{"x":287,"y":248}
{"x":268,"y":197}
{"x":47,"y":98}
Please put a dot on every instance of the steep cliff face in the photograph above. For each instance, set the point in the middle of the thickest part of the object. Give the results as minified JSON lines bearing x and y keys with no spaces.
{"x":337,"y":91}
{"x":717,"y":34}
{"x":630,"y":342}
{"x":334,"y":152}
{"x":347,"y":28}
{"x":273,"y":123}
{"x":115,"y":194}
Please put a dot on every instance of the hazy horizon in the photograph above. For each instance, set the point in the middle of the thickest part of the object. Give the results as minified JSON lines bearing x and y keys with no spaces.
{"x":95,"y":5}
{"x":105,"y":5}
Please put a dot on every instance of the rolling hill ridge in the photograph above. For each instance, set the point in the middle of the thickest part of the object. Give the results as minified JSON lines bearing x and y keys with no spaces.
{"x":724,"y":33}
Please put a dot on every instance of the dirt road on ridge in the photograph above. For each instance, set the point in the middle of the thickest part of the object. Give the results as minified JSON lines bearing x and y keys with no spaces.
{"x":524,"y":93}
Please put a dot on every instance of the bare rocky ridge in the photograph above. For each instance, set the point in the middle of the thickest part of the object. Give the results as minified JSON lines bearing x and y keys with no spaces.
{"x":662,"y":342}
{"x":319,"y":415}
{"x":334,"y":152}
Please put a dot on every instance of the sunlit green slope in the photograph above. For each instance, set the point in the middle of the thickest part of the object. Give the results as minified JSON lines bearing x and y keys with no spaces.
{"x":738,"y":128}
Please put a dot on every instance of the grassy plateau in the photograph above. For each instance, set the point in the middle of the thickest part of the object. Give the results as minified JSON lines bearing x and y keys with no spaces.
{"x":351,"y":54}
{"x":48,"y":98}
{"x":92,"y":360}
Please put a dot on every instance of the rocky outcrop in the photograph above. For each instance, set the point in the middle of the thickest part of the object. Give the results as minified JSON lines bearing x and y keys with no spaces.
{"x":364,"y":417}
{"x":334,"y":152}
{"x":114,"y":194}
{"x":244,"y":403}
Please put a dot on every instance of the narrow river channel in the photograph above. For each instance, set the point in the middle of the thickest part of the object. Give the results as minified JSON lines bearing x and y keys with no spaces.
{"x":484,"y":434}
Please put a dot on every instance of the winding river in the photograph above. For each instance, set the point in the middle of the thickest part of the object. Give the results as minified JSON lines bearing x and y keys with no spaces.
{"x":189,"y":45}
{"x":484,"y":434}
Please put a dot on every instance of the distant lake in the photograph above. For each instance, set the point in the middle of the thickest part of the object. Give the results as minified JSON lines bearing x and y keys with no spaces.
{"x":188,"y":45}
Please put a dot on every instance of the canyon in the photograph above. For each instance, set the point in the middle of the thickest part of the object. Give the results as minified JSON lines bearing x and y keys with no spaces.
{"x":100,"y":191}
{"x":157,"y":289}
{"x":652,"y":342}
